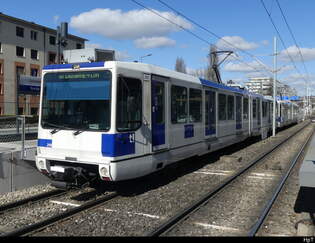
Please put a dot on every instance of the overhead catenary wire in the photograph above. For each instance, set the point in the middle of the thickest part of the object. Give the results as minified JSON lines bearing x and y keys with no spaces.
{"x":293,"y":37}
{"x":281,"y":40}
{"x":215,"y":35}
{"x":195,"y":35}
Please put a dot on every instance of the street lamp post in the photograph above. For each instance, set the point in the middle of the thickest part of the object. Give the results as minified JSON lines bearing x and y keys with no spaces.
{"x":145,"y":56}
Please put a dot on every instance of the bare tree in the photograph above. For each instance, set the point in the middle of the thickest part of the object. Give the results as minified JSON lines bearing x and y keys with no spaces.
{"x":199,"y":73}
{"x":180,"y":65}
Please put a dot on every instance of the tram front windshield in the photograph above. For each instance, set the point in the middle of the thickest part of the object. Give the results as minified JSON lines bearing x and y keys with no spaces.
{"x":77,"y":100}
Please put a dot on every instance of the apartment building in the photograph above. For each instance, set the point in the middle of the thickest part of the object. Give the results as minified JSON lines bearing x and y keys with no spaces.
{"x":264,"y":86}
{"x":25,"y":47}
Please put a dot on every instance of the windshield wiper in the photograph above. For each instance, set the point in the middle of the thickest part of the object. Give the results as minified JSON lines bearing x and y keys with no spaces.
{"x":57,"y":127}
{"x":77,"y":132}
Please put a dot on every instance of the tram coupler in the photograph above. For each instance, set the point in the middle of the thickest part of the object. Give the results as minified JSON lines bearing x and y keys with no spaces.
{"x":73,"y":177}
{"x":61,"y":185}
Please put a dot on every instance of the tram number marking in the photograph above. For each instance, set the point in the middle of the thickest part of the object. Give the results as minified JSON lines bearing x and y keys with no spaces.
{"x":131,"y":137}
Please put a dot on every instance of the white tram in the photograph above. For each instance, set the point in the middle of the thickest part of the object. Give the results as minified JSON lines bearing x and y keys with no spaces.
{"x":120,"y":120}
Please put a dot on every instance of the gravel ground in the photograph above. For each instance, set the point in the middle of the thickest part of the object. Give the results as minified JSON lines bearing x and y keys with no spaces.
{"x":146,"y":202}
{"x":38,"y":211}
{"x":285,"y":214}
{"x":232,"y":213}
{"x":25,"y":193}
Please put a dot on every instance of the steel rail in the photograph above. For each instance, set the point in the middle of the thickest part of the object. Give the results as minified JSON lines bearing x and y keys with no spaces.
{"x":33,"y":199}
{"x":278,"y":189}
{"x":177,"y":218}
{"x":70,"y":212}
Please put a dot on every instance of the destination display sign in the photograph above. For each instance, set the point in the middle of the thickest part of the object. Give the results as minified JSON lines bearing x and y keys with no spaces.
{"x":78,"y":76}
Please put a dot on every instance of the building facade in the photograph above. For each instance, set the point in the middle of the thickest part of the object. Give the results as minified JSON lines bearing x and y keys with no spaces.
{"x":264,"y":86}
{"x":25,"y":47}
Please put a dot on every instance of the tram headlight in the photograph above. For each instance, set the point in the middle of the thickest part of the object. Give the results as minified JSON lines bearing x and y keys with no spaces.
{"x":104,"y":171}
{"x":41,"y":163}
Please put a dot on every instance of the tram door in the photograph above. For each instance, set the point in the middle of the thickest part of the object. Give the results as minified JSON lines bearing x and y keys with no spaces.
{"x":158,"y":112}
{"x":210,"y":113}
{"x":238,"y":112}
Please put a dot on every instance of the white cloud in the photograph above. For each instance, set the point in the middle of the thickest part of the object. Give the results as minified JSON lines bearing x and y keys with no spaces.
{"x":265,"y":42}
{"x":56,"y":19}
{"x":307,"y":53}
{"x":122,"y":55}
{"x":119,"y":25}
{"x":235,"y":42}
{"x":93,"y":45}
{"x":154,"y":42}
{"x":243,"y":67}
{"x":298,"y":79}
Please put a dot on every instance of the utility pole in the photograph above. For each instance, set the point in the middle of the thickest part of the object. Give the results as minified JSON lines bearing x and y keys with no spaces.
{"x":62,"y":35}
{"x":274,"y":85}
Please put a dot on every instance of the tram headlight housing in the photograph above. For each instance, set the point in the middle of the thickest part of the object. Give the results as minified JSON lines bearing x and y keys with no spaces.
{"x":41,"y":163}
{"x":104,"y":171}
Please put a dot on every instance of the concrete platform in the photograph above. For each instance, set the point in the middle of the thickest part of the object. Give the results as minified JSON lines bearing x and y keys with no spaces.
{"x":307,"y":170}
{"x":15,"y":173}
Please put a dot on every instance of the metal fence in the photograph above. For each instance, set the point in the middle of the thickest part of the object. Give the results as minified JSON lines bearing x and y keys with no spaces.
{"x":19,"y":133}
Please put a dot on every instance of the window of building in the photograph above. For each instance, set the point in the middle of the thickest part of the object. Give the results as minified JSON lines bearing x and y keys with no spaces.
{"x":19,"y":31}
{"x":245,"y":108}
{"x":222,"y":107}
{"x":20,"y":52}
{"x":0,"y":47}
{"x":1,"y":73}
{"x":51,"y":58}
{"x":1,"y":89}
{"x":52,"y":40}
{"x":179,"y":106}
{"x":34,"y":72}
{"x":129,"y":104}
{"x":34,"y":54}
{"x":34,"y":111}
{"x":21,"y":111}
{"x":33,"y":35}
{"x":195,"y":99}
{"x":19,"y":70}
{"x":79,"y":46}
{"x":230,"y":108}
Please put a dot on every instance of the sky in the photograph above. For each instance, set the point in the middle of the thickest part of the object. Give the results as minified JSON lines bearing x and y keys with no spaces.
{"x":241,"y":26}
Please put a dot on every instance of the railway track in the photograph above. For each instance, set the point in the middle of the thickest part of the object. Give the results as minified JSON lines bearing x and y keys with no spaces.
{"x":177,"y":219}
{"x":38,"y":225}
{"x":30,"y":200}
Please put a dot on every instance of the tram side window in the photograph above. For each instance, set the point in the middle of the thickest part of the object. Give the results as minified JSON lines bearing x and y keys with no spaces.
{"x":195,"y":106}
{"x":254,"y":108}
{"x":264,"y":108}
{"x":258,"y":107}
{"x":230,"y":108}
{"x":179,"y":107}
{"x":245,"y":108}
{"x":129,"y":104}
{"x":222,"y":107}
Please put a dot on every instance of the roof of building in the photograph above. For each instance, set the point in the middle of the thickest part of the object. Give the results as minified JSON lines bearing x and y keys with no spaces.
{"x":36,"y":26}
